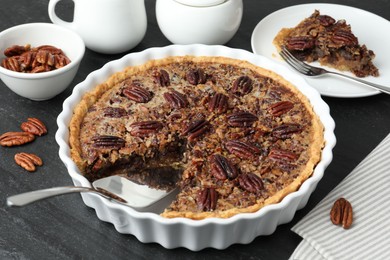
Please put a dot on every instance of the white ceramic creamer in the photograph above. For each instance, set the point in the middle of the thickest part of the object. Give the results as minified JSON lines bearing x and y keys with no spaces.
{"x":106,"y":26}
{"x":199,"y":21}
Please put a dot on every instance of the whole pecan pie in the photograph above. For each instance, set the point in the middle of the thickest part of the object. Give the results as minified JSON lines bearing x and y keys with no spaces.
{"x":332,"y":43}
{"x":232,"y":136}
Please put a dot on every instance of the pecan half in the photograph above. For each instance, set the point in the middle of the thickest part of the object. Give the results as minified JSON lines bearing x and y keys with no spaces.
{"x":344,"y":38}
{"x":28,"y":161}
{"x":282,"y":155}
{"x":242,"y":150}
{"x":341,"y":213}
{"x":137,"y":93}
{"x":280,"y":108}
{"x":207,"y":199}
{"x":15,"y":50}
{"x":162,"y":78}
{"x":326,"y":20}
{"x":34,"y":126}
{"x":286,"y":130}
{"x":219,"y":103}
{"x":176,"y":99}
{"x":222,"y":168}
{"x":16,"y":138}
{"x":114,"y":112}
{"x":196,"y":76}
{"x":241,"y":119}
{"x":242,"y":85}
{"x":108,"y":142}
{"x":300,"y":43}
{"x":145,"y":128}
{"x":250,"y":182}
{"x":196,"y":128}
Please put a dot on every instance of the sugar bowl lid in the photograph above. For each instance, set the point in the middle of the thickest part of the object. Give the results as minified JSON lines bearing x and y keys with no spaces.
{"x":201,"y":3}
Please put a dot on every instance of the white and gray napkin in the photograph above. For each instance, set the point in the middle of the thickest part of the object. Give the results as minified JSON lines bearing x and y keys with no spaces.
{"x":367,"y":188}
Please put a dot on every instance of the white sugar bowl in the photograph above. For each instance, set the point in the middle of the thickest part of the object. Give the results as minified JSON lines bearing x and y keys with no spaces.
{"x":199,"y":21}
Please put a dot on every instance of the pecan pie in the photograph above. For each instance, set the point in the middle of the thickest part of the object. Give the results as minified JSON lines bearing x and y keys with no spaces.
{"x":231,"y":135}
{"x":332,"y":43}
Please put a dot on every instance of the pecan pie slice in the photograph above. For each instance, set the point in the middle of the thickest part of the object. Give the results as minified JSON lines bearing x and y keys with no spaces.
{"x":232,"y":136}
{"x":332,"y":43}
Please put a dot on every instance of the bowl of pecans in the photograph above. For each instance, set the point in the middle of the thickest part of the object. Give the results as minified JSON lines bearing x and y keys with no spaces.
{"x":39,"y":60}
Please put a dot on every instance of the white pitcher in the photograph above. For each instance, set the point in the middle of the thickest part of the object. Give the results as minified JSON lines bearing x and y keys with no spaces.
{"x":106,"y":26}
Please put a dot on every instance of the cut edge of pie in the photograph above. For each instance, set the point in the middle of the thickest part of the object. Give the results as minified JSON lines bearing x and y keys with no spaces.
{"x":316,"y":134}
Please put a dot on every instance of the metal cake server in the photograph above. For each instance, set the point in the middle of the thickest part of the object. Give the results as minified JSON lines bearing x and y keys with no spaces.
{"x":114,"y":188}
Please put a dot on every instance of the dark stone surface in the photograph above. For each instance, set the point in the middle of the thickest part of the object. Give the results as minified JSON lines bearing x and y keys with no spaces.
{"x":64,"y":228}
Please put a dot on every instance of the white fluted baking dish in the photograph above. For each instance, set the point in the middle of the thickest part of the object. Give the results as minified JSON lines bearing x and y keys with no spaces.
{"x":180,"y":232}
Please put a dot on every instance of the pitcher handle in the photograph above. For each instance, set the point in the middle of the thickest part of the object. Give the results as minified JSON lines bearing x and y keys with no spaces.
{"x":53,"y":16}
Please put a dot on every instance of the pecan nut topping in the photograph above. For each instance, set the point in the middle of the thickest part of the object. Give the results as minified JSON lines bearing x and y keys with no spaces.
{"x":219,"y":103}
{"x":250,"y":182}
{"x":16,"y":138}
{"x":242,"y":85}
{"x":280,"y":108}
{"x":241,"y":119}
{"x":222,"y":168}
{"x":286,"y":130}
{"x":28,"y":161}
{"x":196,"y":128}
{"x":300,"y":43}
{"x":282,"y":155}
{"x":242,"y":150}
{"x":196,"y":76}
{"x":114,"y":112}
{"x":326,"y":20}
{"x":207,"y":199}
{"x":341,"y":213}
{"x":108,"y":142}
{"x":344,"y":38}
{"x":34,"y":126}
{"x":176,"y":99}
{"x":162,"y":78}
{"x":137,"y":93}
{"x":145,"y":128}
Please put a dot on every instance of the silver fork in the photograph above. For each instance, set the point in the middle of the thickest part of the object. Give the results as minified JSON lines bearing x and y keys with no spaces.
{"x":312,"y":71}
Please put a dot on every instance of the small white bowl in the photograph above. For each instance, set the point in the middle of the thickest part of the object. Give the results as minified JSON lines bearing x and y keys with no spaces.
{"x":44,"y":85}
{"x":181,"y":232}
{"x":194,"y":21}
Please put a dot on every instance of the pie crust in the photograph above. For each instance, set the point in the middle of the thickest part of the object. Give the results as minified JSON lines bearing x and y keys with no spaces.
{"x":232,"y":136}
{"x":332,"y":43}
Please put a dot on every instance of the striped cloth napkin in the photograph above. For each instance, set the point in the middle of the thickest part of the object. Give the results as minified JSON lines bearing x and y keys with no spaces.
{"x":367,"y":188}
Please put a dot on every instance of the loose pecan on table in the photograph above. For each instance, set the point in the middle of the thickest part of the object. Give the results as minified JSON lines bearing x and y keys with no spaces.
{"x":341,"y":213}
{"x":34,"y":126}
{"x":28,"y":161}
{"x":16,"y":138}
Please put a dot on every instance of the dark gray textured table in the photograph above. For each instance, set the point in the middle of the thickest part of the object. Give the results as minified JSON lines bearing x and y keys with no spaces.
{"x":64,"y":228}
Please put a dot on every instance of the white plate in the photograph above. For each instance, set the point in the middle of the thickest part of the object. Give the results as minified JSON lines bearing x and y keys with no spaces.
{"x":182,"y":232}
{"x":369,"y":28}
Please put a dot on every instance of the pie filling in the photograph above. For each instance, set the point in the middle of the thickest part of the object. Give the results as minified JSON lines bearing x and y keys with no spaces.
{"x":232,"y":136}
{"x":332,"y":43}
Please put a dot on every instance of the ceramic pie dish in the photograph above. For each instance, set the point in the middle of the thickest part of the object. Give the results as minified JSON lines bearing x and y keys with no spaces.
{"x":182,"y":232}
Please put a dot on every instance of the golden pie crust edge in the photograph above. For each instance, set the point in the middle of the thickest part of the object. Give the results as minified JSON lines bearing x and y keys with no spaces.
{"x":317,"y":136}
